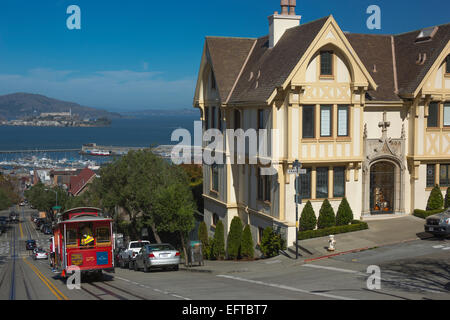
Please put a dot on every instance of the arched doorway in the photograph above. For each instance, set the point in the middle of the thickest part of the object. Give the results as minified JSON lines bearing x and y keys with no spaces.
{"x":383,"y":188}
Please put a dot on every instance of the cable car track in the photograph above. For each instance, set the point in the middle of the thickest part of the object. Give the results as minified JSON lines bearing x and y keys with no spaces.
{"x":105,"y":291}
{"x":12,"y":293}
{"x":125,"y":291}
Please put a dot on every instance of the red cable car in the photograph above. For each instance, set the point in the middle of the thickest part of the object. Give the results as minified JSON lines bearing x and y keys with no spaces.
{"x":83,"y":238}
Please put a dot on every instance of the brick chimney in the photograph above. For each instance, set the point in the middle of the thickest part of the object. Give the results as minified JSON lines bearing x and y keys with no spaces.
{"x":279,"y":23}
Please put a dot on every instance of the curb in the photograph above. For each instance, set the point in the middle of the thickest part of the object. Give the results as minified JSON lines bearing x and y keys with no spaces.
{"x":196,"y":270}
{"x":359,"y":250}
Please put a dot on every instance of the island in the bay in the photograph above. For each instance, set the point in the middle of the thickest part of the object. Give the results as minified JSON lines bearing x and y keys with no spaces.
{"x":25,"y":109}
{"x":58,"y":119}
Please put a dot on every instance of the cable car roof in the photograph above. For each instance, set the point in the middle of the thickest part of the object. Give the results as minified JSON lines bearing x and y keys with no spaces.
{"x":86,"y":218}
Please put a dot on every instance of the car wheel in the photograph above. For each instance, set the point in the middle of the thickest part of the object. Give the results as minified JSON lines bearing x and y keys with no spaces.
{"x":176,"y":268}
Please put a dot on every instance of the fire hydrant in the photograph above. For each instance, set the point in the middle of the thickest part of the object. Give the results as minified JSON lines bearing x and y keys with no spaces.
{"x":331,"y":243}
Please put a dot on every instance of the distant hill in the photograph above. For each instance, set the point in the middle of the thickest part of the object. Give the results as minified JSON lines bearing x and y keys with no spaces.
{"x":160,"y":112}
{"x":23,"y":105}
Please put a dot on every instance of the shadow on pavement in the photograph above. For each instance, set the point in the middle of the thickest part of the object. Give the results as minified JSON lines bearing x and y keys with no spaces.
{"x":418,"y":275}
{"x":429,"y":237}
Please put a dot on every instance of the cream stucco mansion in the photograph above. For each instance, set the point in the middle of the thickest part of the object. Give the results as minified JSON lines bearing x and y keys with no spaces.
{"x":367,"y":115}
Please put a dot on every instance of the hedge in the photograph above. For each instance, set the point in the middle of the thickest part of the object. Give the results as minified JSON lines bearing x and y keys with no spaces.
{"x":355,"y":226}
{"x":234,"y":239}
{"x":425,"y":214}
{"x":436,"y":200}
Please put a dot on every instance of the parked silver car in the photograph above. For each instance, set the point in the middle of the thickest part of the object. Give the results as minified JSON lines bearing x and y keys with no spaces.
{"x":439,"y":224}
{"x":157,"y":256}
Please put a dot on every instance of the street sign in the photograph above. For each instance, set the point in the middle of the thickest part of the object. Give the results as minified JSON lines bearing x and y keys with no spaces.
{"x":296,"y":171}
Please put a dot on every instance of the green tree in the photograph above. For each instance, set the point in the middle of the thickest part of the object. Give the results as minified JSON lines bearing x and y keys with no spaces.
{"x":271,"y":243}
{"x":247,"y":246}
{"x":447,"y":199}
{"x":173,"y":211}
{"x":204,"y":239}
{"x":326,"y":216}
{"x":344,"y":215}
{"x":218,"y":246}
{"x":5,"y":201}
{"x":234,"y":239}
{"x":43,"y":198}
{"x":308,"y":220}
{"x":435,"y":201}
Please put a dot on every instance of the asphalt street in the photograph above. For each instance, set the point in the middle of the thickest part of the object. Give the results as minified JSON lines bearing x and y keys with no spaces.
{"x":416,"y":270}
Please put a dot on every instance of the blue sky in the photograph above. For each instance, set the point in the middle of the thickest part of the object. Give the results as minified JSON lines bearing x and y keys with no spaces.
{"x":145,"y":54}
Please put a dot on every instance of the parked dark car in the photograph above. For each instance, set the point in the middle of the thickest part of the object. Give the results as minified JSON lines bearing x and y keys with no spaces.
{"x":3,"y":221}
{"x":439,"y":224}
{"x":47,"y":229}
{"x":30,"y":244}
{"x":13,"y":217}
{"x":39,"y":222}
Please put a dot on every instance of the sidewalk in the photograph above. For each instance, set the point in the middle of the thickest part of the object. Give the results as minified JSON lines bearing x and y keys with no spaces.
{"x":380,"y":233}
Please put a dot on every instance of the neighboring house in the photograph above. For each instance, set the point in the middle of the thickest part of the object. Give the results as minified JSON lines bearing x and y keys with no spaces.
{"x":62,"y":178}
{"x":79,"y":183}
{"x":368,"y":116}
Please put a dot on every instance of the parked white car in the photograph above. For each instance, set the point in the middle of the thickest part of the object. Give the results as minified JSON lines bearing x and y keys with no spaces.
{"x":127,"y":256}
{"x":40,"y":254}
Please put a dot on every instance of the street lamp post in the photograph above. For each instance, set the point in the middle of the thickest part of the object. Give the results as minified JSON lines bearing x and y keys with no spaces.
{"x":297,"y":171}
{"x":298,"y":200}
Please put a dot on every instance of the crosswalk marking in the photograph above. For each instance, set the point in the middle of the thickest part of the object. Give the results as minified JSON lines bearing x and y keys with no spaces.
{"x":438,"y":247}
{"x":448,"y":248}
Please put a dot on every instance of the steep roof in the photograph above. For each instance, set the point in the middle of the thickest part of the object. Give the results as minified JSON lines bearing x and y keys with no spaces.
{"x":375,"y":51}
{"x":77,"y":183}
{"x":267,"y":68}
{"x":411,"y":74}
{"x":227,"y":56}
{"x":250,"y":71}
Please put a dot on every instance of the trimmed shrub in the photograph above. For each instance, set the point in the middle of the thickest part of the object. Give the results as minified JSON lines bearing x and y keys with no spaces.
{"x":327,"y":218}
{"x":247,"y":246}
{"x":271,"y":243}
{"x":234,"y":239}
{"x":218,"y":246}
{"x":354,"y":226}
{"x":447,"y":199}
{"x":203,"y":237}
{"x":425,"y":214}
{"x":435,"y":201}
{"x":308,"y":220}
{"x":344,"y":215}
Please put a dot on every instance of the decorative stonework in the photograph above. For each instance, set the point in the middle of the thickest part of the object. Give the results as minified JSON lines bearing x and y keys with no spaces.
{"x":385,"y":149}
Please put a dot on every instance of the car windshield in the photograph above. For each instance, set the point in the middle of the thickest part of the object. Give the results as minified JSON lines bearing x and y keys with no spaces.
{"x":31,"y":241}
{"x":138,"y":245}
{"x":161,"y":247}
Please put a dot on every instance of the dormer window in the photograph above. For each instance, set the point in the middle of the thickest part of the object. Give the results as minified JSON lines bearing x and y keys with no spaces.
{"x":426,"y":34}
{"x":326,"y":63}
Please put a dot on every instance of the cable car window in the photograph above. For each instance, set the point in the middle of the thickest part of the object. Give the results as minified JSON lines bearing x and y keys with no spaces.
{"x":86,"y":235}
{"x":72,"y":239}
{"x":103,"y":235}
